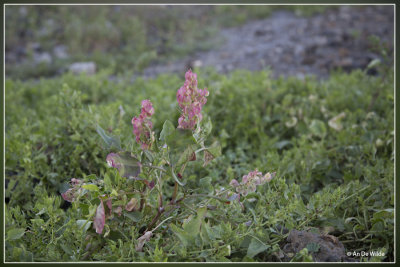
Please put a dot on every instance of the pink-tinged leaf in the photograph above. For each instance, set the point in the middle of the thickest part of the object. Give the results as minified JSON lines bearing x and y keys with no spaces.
{"x":68,"y":195}
{"x":193,"y":157}
{"x":109,"y":205}
{"x":149,"y":184}
{"x":207,"y":157}
{"x":142,"y":240}
{"x":99,"y":218}
{"x":133,"y":204}
{"x":118,"y":210}
{"x":234,"y":183}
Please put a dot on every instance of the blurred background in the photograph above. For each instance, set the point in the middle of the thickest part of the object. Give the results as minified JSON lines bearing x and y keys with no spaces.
{"x":44,"y":41}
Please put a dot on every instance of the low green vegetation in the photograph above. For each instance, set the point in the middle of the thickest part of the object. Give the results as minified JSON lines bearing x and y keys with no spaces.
{"x":332,"y":152}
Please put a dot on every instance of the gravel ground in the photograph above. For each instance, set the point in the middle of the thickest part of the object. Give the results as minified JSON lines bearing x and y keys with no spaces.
{"x":293,"y":45}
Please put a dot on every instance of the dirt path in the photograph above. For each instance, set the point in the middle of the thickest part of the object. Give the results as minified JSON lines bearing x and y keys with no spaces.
{"x":299,"y":46}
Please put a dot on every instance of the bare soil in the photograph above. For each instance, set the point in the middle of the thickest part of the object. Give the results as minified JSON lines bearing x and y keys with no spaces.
{"x":293,"y":45}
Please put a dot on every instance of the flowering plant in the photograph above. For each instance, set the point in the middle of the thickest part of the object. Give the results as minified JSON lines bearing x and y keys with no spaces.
{"x":137,"y":189}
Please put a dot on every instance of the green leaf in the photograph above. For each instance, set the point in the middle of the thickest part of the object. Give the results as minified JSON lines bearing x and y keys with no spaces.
{"x":187,"y":155}
{"x":255,"y":247}
{"x":178,"y":142}
{"x":185,"y":238}
{"x":149,"y":155}
{"x":211,"y":153}
{"x":215,"y":149}
{"x":318,"y":128}
{"x":167,"y":130}
{"x":205,"y":185}
{"x":37,"y":222}
{"x":107,"y":182}
{"x":135,"y":216}
{"x":85,"y":224}
{"x":191,"y":228}
{"x":15,"y":234}
{"x":282,"y":144}
{"x":91,"y":187}
{"x":203,"y":130}
{"x":110,"y":141}
{"x":373,"y":63}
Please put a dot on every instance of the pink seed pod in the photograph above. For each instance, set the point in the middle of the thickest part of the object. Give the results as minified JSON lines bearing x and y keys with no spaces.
{"x":191,"y":101}
{"x":142,"y":125}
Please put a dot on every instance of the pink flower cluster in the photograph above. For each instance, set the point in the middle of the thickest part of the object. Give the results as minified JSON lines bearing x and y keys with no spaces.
{"x":71,"y":194}
{"x":142,"y":125}
{"x":191,"y":101}
{"x":251,"y":181}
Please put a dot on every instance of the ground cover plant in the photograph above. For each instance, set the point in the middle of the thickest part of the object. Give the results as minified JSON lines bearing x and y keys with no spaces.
{"x":148,"y":171}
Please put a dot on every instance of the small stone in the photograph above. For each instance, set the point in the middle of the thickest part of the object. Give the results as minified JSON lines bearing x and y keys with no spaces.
{"x":320,"y":40}
{"x":83,"y":67}
{"x":42,"y":58}
{"x":197,"y":63}
{"x":60,"y":51}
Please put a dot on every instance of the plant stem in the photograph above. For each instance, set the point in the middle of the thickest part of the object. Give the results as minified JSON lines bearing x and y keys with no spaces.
{"x":174,"y":193}
{"x":155,"y":219}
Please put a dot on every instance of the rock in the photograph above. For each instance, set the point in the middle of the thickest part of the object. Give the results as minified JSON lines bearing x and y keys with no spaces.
{"x":320,"y":40}
{"x":197,"y":63}
{"x":60,"y":51}
{"x":23,"y":11}
{"x":327,"y":248}
{"x":35,"y":47}
{"x":42,"y":58}
{"x":83,"y":67}
{"x":345,"y":63}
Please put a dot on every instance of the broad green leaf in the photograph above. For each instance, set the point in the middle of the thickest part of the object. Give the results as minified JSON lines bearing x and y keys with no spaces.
{"x":177,"y":143}
{"x":84,"y":224}
{"x":149,"y":155}
{"x":255,"y":247}
{"x":110,"y":141}
{"x":191,"y":228}
{"x":373,"y":63}
{"x":91,"y":187}
{"x":211,"y":153}
{"x":203,"y":130}
{"x":215,"y":149}
{"x":187,"y":155}
{"x":135,"y":216}
{"x":282,"y":144}
{"x":107,"y":182}
{"x":185,"y":238}
{"x":318,"y":128}
{"x":15,"y":234}
{"x":224,"y":251}
{"x":37,"y":222}
{"x":167,"y":130}
{"x":205,"y":185}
